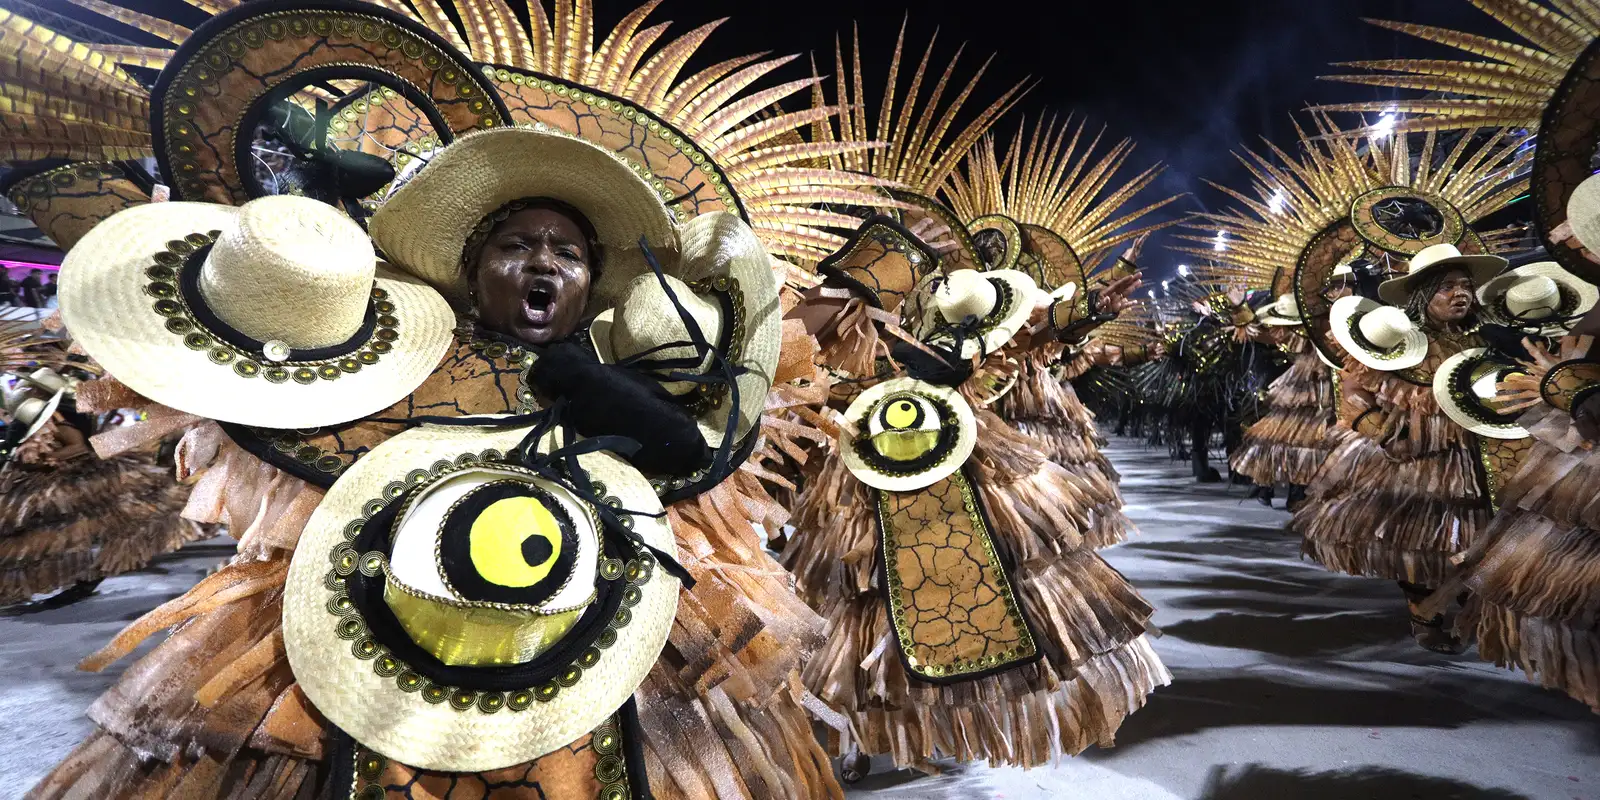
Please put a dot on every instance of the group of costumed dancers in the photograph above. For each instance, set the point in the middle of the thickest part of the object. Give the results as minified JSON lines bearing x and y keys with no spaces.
{"x":591,"y":428}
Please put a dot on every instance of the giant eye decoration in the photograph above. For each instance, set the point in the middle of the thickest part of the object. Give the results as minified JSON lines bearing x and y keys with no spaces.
{"x":910,"y":434}
{"x":492,"y":542}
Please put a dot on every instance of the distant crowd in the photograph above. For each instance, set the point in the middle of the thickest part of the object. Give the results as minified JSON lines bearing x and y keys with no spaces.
{"x":33,"y":289}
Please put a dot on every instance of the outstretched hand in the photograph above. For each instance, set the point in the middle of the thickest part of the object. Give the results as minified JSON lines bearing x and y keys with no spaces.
{"x":1117,"y":297}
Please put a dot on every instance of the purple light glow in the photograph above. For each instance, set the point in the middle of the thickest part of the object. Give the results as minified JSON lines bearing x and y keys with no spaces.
{"x":4,"y":264}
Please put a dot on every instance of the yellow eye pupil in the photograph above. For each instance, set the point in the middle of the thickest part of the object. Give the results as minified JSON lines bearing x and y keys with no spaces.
{"x":900,"y":414}
{"x":509,"y":536}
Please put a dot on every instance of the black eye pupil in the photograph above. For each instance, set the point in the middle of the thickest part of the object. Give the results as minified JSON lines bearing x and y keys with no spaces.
{"x":536,"y":550}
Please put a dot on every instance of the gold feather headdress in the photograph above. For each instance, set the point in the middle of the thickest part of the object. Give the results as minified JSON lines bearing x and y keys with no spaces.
{"x":1059,"y":179}
{"x":1500,"y":83}
{"x":923,"y":143}
{"x":1295,"y":197}
{"x":68,"y":99}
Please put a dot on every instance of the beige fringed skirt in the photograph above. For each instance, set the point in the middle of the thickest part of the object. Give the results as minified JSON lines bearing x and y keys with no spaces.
{"x":1368,"y":513}
{"x":1535,"y":602}
{"x":1044,"y":407}
{"x":85,"y":519}
{"x":213,"y":711}
{"x":1289,"y":444}
{"x":1097,"y":665}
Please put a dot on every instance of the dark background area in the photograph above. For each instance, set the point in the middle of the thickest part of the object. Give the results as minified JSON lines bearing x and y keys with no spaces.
{"x":1190,"y":81}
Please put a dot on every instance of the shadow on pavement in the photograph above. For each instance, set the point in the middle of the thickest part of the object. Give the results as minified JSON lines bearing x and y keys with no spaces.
{"x":1257,"y":782}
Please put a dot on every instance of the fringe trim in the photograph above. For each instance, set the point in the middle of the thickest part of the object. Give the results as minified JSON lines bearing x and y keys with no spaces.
{"x":1368,"y":513}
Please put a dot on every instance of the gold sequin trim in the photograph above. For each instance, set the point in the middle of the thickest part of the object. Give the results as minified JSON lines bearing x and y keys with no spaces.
{"x":349,"y":625}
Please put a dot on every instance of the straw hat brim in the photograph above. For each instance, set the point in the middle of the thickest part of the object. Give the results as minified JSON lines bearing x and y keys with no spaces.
{"x":423,"y":228}
{"x":1346,"y":314}
{"x":1455,"y":405}
{"x":1587,"y":293}
{"x":105,"y":306}
{"x":1396,"y":291}
{"x":966,"y":436}
{"x":375,"y":711}
{"x":714,"y":245}
{"x":1000,"y":330}
{"x":1272,"y":317}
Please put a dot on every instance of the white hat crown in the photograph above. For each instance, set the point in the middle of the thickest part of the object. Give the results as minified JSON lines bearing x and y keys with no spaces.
{"x":1286,"y":306}
{"x":965,"y":293}
{"x":284,"y":257}
{"x":1430,"y":255}
{"x":1533,"y":297}
{"x":28,"y":411}
{"x":1385,"y":327}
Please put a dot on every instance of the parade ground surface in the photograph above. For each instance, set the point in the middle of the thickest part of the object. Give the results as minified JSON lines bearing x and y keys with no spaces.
{"x":1290,"y":683}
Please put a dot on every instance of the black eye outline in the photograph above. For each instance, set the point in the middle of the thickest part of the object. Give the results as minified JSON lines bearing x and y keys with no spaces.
{"x":455,"y":547}
{"x":903,"y":397}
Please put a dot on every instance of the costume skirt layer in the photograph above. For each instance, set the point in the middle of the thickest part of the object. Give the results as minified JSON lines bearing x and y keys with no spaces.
{"x":1372,"y":514}
{"x":1535,"y":602}
{"x":1097,"y":666}
{"x":1289,"y":444}
{"x":85,"y":519}
{"x":1045,"y":408}
{"x":213,"y":711}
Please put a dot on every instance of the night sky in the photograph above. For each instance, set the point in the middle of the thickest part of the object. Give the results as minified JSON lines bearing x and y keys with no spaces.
{"x":1189,"y":80}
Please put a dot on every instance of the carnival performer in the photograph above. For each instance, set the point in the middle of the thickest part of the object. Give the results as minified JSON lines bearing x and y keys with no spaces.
{"x":1534,"y":573}
{"x":987,"y":655}
{"x":1289,"y":443}
{"x":1400,"y":495}
{"x":70,"y":519}
{"x":1051,"y":210}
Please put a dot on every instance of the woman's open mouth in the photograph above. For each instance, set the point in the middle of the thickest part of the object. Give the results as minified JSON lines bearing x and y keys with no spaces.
{"x":539,"y":306}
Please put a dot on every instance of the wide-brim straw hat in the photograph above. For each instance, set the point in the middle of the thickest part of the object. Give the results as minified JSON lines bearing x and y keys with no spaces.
{"x":929,"y":431}
{"x":389,"y":696}
{"x":1285,"y":311}
{"x":425,"y":226}
{"x":1410,"y":345}
{"x":1015,"y":294}
{"x":1583,"y":213}
{"x":1464,"y":386}
{"x":1573,"y":297}
{"x":725,"y":265}
{"x":33,"y":413}
{"x":1434,"y":259}
{"x":272,"y":314}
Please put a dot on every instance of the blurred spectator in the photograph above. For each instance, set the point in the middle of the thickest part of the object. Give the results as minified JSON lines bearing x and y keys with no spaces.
{"x":8,"y":290}
{"x":50,"y":291}
{"x":32,"y":289}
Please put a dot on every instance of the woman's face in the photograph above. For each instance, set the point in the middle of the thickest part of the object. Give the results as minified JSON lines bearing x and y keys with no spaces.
{"x":531,"y":278}
{"x":1453,"y":300}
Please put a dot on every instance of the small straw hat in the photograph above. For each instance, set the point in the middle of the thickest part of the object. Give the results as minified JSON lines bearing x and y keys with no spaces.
{"x":1540,"y":295}
{"x":1379,"y":336}
{"x":1465,"y":387}
{"x":455,"y":610}
{"x":1283,"y":312}
{"x":29,"y":413}
{"x":725,"y":281}
{"x":1432,"y":259}
{"x":908,"y":434}
{"x":425,"y":225}
{"x":1001,"y":300}
{"x":273,"y":314}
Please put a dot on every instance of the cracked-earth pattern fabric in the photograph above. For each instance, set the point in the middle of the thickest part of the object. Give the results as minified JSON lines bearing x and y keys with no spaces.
{"x":568,"y":772}
{"x":675,"y":166}
{"x":952,"y":594}
{"x":66,"y":203}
